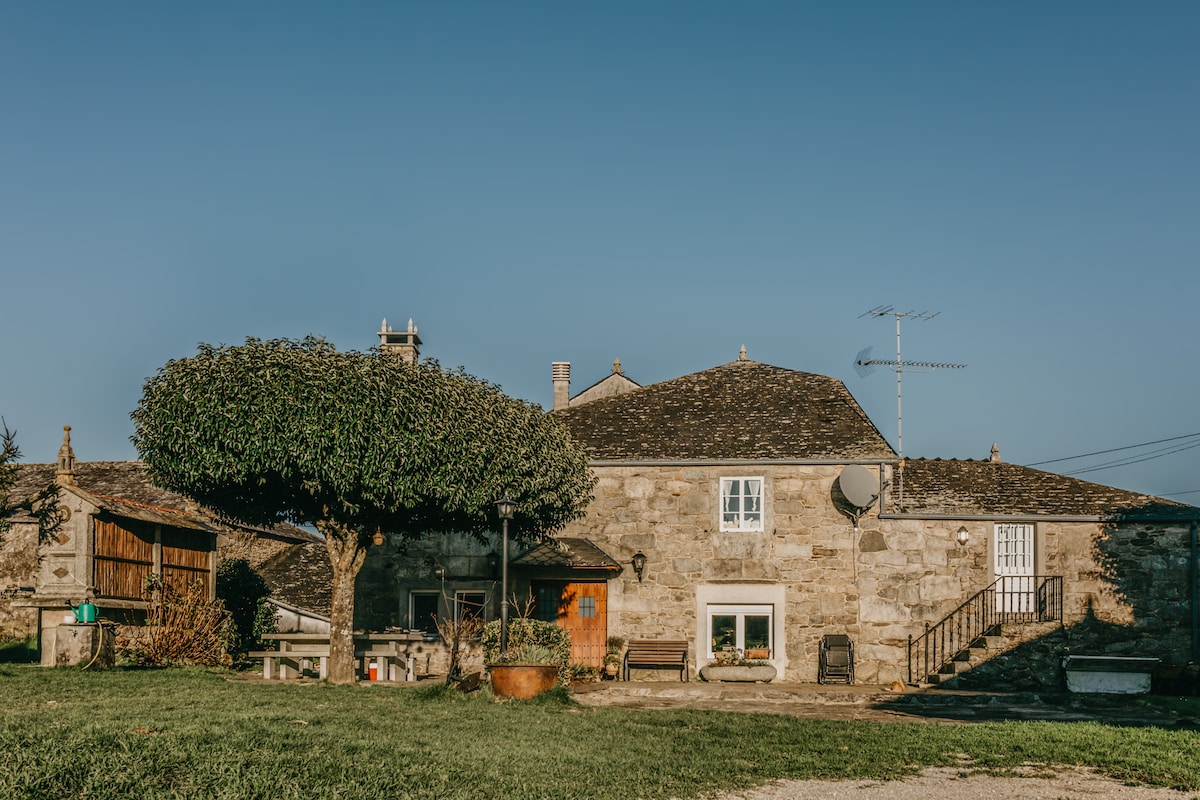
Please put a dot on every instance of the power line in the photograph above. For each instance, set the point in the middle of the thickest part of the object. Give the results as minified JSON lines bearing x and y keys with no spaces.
{"x":1127,"y":462}
{"x":1177,"y":494}
{"x":1113,"y":450}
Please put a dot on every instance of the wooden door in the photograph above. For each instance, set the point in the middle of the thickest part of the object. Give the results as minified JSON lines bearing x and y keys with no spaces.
{"x":582,"y":610}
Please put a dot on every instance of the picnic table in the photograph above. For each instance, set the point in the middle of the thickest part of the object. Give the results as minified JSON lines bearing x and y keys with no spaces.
{"x":389,"y":654}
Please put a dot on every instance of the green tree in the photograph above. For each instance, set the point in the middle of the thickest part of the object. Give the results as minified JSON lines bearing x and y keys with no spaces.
{"x":42,"y":505}
{"x":353,"y":443}
{"x":9,"y":454}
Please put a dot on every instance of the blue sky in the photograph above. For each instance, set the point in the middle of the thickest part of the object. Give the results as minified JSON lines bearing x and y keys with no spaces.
{"x":660,"y":182}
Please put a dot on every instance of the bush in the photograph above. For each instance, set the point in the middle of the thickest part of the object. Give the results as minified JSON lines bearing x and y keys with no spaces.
{"x":244,"y":593}
{"x":182,"y":628}
{"x":524,"y":634}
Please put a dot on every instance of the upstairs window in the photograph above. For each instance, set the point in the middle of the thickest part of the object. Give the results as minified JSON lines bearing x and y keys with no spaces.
{"x":741,"y":504}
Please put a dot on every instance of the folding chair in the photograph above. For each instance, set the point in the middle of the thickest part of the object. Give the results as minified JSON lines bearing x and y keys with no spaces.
{"x":836,"y":659}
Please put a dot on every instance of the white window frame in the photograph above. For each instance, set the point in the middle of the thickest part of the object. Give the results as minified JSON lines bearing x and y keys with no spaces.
{"x":742,"y":523}
{"x":412,"y":611}
{"x":740,"y":611}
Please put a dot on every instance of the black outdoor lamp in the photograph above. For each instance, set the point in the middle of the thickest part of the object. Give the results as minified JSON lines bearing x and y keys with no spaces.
{"x":505,"y":507}
{"x":639,"y":564}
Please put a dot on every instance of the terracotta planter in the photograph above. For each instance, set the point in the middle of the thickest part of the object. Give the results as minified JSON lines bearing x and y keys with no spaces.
{"x":522,"y":681}
{"x":764,"y":673}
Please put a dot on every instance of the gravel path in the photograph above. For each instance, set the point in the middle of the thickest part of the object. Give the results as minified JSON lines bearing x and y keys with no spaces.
{"x":951,"y":783}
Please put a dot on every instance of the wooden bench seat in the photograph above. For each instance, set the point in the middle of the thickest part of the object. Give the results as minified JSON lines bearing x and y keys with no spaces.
{"x":657,"y":653}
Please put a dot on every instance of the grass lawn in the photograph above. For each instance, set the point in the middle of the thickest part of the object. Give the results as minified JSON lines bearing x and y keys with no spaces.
{"x":207,"y":734}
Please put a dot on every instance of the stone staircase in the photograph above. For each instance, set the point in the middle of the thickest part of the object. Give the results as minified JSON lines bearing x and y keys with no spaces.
{"x":1002,"y":639}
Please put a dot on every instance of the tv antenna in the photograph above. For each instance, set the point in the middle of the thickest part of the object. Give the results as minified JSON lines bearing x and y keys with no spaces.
{"x":864,"y":365}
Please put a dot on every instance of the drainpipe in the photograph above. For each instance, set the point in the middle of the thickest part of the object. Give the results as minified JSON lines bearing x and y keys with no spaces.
{"x":1195,"y":587}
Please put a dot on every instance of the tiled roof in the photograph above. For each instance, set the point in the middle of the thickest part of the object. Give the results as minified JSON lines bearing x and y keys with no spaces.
{"x":740,"y":410}
{"x":567,"y":552}
{"x":948,"y":487}
{"x":301,"y":576}
{"x":124,"y":488}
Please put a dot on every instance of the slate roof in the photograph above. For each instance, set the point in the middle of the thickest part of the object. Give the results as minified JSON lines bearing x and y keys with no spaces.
{"x":567,"y":552}
{"x":124,"y":488}
{"x":969,"y":487}
{"x":741,"y":410}
{"x":301,"y":576}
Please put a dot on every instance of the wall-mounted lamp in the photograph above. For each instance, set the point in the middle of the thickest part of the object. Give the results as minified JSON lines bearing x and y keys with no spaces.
{"x":377,"y":539}
{"x":962,"y":536}
{"x":639,"y":564}
{"x":493,"y":561}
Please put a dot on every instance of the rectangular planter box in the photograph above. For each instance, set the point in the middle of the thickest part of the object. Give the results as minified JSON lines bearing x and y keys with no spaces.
{"x":1109,"y":674}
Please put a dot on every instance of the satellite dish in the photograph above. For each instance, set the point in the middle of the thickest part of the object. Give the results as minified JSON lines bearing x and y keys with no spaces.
{"x":859,"y":486}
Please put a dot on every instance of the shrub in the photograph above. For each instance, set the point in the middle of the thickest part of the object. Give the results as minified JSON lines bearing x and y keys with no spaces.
{"x":181,"y":627}
{"x":244,"y":593}
{"x":528,"y":640}
{"x":582,"y":673}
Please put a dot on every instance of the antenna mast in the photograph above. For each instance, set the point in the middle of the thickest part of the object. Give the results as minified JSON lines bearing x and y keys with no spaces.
{"x":864,"y":364}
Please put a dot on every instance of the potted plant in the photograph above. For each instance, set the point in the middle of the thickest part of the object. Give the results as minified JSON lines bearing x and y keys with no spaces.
{"x":612,"y":656}
{"x":537,"y":657}
{"x":732,"y":666}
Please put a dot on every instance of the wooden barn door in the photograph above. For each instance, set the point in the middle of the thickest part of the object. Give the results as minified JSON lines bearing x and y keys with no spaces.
{"x":582,"y":610}
{"x":123,"y":557}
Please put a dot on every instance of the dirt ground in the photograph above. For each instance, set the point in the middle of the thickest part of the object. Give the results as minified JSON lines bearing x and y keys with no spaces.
{"x":952,"y":783}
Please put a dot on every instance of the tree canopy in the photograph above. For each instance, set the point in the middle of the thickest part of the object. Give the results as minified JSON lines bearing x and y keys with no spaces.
{"x":294,"y":430}
{"x":351,"y":442}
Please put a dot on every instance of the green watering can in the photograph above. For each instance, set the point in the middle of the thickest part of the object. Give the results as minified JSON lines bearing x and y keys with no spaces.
{"x":84,"y":612}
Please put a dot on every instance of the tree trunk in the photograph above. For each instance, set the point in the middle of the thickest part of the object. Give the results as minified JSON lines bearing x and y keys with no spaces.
{"x":346,"y":553}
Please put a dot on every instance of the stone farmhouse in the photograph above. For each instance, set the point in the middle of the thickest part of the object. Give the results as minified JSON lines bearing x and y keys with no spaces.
{"x":719,"y":518}
{"x":729,"y":511}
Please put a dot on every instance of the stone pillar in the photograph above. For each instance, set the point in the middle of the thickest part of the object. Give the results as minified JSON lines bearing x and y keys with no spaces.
{"x":83,"y":645}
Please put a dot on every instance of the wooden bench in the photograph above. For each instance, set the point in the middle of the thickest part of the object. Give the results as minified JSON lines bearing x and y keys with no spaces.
{"x":657,"y":653}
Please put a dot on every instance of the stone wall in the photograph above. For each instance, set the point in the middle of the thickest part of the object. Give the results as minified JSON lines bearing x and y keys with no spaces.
{"x":879,"y":584}
{"x":18,"y":568}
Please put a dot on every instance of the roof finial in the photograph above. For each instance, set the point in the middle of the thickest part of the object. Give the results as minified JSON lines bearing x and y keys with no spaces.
{"x":995,"y":459}
{"x":617,"y":366}
{"x":742,"y":353}
{"x":65,"y":473}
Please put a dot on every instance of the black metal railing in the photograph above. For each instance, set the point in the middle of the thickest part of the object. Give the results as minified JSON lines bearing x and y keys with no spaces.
{"x":1014,"y":599}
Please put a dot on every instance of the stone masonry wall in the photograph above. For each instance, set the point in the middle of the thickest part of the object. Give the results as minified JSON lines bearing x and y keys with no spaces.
{"x":18,"y":569}
{"x":879,"y":584}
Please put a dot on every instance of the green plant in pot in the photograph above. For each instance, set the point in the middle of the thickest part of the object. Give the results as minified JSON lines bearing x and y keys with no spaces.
{"x":537,"y":657}
{"x":612,"y":656}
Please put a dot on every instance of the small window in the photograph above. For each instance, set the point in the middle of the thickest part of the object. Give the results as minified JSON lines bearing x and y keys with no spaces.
{"x":587,"y":607}
{"x":469,"y":605}
{"x":423,"y":611}
{"x":741,"y":504}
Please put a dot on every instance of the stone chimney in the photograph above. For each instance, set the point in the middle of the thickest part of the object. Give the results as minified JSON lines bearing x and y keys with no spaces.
{"x":995,"y":459}
{"x":65,"y":474}
{"x":406,"y":344}
{"x":560,"y":373}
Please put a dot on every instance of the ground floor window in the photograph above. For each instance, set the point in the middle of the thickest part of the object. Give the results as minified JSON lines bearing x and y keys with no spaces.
{"x":741,"y":627}
{"x":423,"y":611}
{"x":469,"y":605}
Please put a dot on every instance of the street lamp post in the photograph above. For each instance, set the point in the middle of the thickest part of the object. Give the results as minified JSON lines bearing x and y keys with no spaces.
{"x":505,"y":508}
